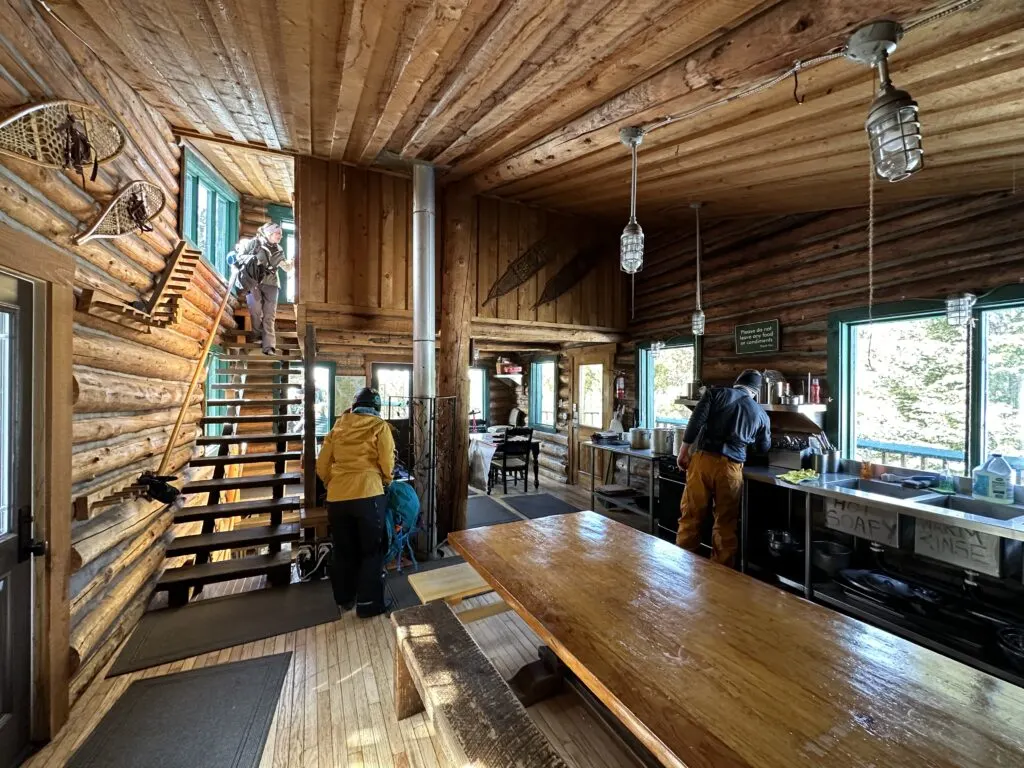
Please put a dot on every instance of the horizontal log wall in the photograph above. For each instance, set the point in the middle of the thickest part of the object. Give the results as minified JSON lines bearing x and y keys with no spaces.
{"x":801,"y":268}
{"x":128,"y":384}
{"x":252,"y":215}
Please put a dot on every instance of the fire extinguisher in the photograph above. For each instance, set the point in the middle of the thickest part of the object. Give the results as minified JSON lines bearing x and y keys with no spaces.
{"x":620,"y":386}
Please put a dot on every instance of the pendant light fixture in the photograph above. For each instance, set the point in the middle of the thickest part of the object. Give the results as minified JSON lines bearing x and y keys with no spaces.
{"x":697,"y":319}
{"x":959,"y":307}
{"x":893,"y":128}
{"x":631,"y":244}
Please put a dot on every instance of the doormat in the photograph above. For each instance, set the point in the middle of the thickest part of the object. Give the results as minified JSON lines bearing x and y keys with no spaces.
{"x":483,"y":510}
{"x":540,"y":505}
{"x":204,"y":718}
{"x":212,"y":625}
{"x":401,"y":590}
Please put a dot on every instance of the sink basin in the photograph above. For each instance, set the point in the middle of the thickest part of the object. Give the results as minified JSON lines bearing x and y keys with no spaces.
{"x":975,"y":507}
{"x":882,"y":489}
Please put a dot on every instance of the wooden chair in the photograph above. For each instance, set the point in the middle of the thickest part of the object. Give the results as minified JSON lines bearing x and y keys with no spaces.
{"x":441,"y":670}
{"x":512,"y":458}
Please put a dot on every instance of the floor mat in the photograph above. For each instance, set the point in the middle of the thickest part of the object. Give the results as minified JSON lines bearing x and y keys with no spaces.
{"x":400,"y":588}
{"x":205,"y":718}
{"x":483,"y":510}
{"x":211,"y":625}
{"x":535,"y":505}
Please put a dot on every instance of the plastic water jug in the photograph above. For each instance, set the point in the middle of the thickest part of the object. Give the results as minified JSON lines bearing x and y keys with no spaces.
{"x":993,"y":481}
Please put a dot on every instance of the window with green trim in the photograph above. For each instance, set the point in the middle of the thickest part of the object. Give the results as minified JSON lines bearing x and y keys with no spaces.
{"x":918,"y":392}
{"x":479,"y":396}
{"x":543,"y":393}
{"x":210,"y":221}
{"x":662,"y":377}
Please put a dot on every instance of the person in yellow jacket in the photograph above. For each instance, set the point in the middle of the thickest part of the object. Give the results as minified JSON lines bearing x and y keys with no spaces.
{"x":356,"y":464}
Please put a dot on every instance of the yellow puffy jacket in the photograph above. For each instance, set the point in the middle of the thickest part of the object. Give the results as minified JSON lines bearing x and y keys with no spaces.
{"x":357,"y":458}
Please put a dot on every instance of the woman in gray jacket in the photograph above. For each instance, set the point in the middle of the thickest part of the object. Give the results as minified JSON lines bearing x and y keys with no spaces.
{"x":262,"y":285}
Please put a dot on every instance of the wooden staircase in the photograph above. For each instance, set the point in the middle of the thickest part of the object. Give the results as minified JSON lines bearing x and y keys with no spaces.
{"x":259,"y":436}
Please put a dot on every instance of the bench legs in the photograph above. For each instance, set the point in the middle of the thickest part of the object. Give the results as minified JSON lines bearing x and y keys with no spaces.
{"x":407,"y":698}
{"x":538,"y":680}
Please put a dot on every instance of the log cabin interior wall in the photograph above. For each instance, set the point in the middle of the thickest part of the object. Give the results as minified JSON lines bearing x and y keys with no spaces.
{"x":128,"y":384}
{"x":809,"y":265}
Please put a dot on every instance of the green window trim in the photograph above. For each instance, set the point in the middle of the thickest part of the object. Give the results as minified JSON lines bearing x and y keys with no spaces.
{"x":283,"y":215}
{"x":485,"y":414}
{"x":645,"y":374}
{"x":536,"y":395}
{"x":223,"y":204}
{"x":842,"y":325}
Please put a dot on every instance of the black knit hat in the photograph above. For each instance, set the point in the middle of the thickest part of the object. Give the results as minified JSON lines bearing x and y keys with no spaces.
{"x":750,"y":379}
{"x":367,"y":398}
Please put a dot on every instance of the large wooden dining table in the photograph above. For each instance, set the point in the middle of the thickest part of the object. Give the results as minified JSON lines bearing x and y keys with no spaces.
{"x":709,"y":668}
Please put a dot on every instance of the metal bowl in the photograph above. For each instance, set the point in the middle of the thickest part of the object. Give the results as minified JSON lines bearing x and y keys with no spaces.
{"x":782,"y":542}
{"x":1011,"y":643}
{"x":831,"y":556}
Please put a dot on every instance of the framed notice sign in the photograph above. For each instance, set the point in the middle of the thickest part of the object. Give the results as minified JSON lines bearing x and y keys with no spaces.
{"x":757,"y":338}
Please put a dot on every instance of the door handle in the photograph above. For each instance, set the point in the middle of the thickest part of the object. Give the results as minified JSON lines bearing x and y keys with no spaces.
{"x":27,"y":546}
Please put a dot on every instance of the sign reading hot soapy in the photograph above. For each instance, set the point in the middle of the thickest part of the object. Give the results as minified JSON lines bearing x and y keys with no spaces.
{"x":866,"y":522}
{"x":755,"y":338}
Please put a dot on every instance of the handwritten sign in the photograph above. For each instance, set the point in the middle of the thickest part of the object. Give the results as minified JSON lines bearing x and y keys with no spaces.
{"x":958,"y":546}
{"x":756,"y":338}
{"x":866,"y":522}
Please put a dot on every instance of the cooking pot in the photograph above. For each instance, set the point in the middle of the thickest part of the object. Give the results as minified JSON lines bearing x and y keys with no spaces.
{"x":691,"y":390}
{"x":661,"y":442}
{"x":678,"y":438}
{"x":639,"y":438}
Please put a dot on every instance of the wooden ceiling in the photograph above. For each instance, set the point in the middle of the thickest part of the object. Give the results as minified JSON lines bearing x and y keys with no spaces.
{"x":263,"y":175}
{"x":525,"y":97}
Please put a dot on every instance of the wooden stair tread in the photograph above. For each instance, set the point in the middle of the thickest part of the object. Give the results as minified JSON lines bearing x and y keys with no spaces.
{"x":235,"y":483}
{"x":254,"y":438}
{"x":259,"y":358}
{"x":256,"y":386}
{"x":236,"y":539}
{"x":254,"y":403}
{"x":257,"y":345}
{"x":258,"y":375}
{"x":245,"y":458}
{"x":223,"y":570}
{"x":251,"y":419}
{"x":237,"y":509}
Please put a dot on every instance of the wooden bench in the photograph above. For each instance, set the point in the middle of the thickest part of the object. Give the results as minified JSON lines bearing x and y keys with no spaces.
{"x":452,"y":585}
{"x":440,"y":669}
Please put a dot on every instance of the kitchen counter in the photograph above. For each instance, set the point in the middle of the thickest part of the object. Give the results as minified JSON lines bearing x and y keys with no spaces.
{"x":825,"y":486}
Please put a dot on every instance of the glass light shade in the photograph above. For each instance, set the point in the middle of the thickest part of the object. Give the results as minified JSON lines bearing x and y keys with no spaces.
{"x":697,"y":322}
{"x":894,"y":133}
{"x":631,"y":249}
{"x":958,"y":308}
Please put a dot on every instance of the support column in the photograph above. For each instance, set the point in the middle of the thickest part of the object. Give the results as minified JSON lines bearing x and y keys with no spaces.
{"x":458,"y":285}
{"x":424,"y":330}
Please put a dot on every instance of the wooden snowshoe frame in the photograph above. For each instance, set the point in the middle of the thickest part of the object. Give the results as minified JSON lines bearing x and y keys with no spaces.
{"x":115,"y":220}
{"x":32,"y":133}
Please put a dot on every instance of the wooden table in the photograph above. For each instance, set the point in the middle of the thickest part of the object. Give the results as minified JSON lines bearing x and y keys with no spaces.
{"x":711,"y":669}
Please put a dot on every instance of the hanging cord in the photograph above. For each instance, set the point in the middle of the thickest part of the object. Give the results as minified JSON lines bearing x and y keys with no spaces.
{"x":871,"y":259}
{"x":968,"y":459}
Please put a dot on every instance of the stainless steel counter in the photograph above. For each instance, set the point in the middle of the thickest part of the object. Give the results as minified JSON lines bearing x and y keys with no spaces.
{"x":825,"y":486}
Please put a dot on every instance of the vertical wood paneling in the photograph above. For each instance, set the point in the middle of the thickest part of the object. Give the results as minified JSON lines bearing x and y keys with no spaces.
{"x":403,"y":245}
{"x":487,"y":251}
{"x":508,"y":251}
{"x":373,"y":268}
{"x":387,"y":241}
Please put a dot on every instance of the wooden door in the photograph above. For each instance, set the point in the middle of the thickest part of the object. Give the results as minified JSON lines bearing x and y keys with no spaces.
{"x":15,"y":518}
{"x":592,"y":402}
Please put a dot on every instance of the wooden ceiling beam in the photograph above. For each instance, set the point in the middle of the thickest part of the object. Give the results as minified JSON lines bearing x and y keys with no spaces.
{"x":763,"y":46}
{"x":944,"y":86}
{"x":330,"y":31}
{"x":635,"y":42}
{"x":411,"y":72}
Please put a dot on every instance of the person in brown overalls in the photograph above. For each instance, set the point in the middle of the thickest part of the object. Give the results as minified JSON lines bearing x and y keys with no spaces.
{"x":723,"y":424}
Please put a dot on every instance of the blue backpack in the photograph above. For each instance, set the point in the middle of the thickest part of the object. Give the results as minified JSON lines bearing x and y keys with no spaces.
{"x":402,"y":514}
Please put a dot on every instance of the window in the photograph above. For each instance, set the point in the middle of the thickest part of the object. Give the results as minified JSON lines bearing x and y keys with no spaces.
{"x":6,"y":421}
{"x":323,"y":401}
{"x":345,"y":390}
{"x":285,"y":216}
{"x":909,"y":393}
{"x":916,"y":392}
{"x":662,"y":377}
{"x":210,"y":222}
{"x":591,"y":395}
{"x":479,"y":396}
{"x":1002,"y":385}
{"x":543,"y":393}
{"x":394,"y":382}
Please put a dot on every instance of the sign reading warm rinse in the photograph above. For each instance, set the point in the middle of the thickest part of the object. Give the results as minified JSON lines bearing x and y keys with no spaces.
{"x":757,"y":337}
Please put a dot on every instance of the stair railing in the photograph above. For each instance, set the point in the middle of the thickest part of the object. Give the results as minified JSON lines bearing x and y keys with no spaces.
{"x":197,"y":373}
{"x":309,"y":417}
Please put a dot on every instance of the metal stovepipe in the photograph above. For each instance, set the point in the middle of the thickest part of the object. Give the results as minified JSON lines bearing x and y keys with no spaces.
{"x":424,"y":370}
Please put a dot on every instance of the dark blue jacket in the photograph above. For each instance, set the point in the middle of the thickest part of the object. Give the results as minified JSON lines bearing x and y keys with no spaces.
{"x":731,"y":420}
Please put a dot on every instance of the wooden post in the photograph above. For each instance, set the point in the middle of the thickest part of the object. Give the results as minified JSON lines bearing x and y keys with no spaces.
{"x":458,"y":285}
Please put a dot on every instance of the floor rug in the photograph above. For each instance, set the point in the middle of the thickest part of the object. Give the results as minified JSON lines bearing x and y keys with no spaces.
{"x":535,"y":505}
{"x":483,"y":510}
{"x":212,"y":717}
{"x":401,"y":590}
{"x":211,"y":625}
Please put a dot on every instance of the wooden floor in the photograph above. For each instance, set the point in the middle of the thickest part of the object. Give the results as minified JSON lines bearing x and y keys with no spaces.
{"x":336,"y":705}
